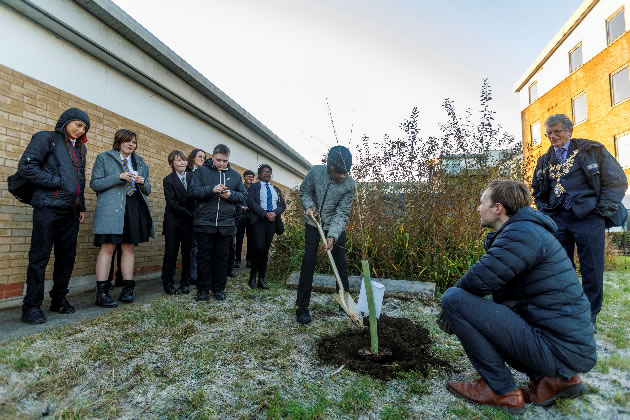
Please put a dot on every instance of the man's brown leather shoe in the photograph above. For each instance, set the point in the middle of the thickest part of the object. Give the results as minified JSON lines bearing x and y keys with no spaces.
{"x":547,"y":389}
{"x":479,"y":392}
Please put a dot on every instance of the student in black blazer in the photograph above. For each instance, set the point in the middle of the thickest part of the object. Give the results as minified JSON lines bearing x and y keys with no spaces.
{"x":265,"y":205}
{"x":178,"y":223}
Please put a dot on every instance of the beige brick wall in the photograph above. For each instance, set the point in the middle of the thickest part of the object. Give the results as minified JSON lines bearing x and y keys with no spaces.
{"x":604,"y":121}
{"x":28,"y":106}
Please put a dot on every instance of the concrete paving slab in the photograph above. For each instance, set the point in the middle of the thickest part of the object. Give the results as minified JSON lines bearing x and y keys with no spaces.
{"x":399,"y":288}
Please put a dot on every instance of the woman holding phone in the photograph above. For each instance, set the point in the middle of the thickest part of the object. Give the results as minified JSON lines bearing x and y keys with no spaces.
{"x":120,"y":179}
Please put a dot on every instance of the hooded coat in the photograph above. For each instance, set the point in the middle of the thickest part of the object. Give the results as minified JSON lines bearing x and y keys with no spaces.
{"x":55,"y":167}
{"x":526,"y":269}
{"x":211,"y":210}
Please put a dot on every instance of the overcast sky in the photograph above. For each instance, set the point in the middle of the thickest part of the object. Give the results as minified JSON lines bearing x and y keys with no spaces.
{"x":372,"y":60}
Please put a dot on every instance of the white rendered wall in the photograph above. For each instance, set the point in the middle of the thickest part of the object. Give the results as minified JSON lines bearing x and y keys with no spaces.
{"x":33,"y":50}
{"x":591,"y":32}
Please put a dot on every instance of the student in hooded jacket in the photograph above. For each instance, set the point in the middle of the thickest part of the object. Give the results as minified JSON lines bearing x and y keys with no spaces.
{"x":218,"y":189}
{"x":54,"y":161}
{"x":120,"y":179}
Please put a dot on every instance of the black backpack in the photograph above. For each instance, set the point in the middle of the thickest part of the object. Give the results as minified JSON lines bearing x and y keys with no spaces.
{"x":20,"y":187}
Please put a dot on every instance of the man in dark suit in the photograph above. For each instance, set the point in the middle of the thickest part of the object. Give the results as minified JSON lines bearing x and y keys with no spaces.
{"x":178,"y":223}
{"x":580,"y":185}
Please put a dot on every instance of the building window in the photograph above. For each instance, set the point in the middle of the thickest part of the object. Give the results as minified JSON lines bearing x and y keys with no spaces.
{"x":575,"y":57}
{"x":535,"y":130}
{"x":533,"y":92}
{"x":620,"y":85}
{"x":615,"y":26}
{"x":579,"y":108}
{"x":622,"y":149}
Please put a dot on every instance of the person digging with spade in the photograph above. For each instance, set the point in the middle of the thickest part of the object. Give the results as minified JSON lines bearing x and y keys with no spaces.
{"x":327,"y":192}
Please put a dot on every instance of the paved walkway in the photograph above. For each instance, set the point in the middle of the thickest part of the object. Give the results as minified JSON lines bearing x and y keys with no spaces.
{"x":12,"y":327}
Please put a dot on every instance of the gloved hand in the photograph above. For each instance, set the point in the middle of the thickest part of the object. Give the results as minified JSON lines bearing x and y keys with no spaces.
{"x":443,"y":324}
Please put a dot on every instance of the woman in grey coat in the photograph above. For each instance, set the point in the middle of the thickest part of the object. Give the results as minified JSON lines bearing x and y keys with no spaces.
{"x":120,"y":179}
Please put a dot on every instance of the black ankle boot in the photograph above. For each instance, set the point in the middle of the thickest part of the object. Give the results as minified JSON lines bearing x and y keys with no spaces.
{"x":170,"y":289}
{"x":102,"y":296}
{"x":126,"y":294}
{"x":252,"y":281}
{"x":184,"y":287}
{"x":261,"y":283}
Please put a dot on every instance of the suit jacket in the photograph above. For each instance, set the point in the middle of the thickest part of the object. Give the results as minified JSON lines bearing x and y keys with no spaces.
{"x":255,"y":212}
{"x":180,"y":206}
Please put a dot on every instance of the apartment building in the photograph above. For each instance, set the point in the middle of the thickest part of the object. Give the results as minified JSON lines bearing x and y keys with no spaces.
{"x":584,"y":72}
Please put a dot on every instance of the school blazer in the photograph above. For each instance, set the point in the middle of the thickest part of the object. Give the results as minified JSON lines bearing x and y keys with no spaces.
{"x":180,"y":206}
{"x":255,"y":212}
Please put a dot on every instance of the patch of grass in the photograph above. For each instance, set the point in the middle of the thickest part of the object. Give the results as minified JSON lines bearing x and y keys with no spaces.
{"x":357,"y":397}
{"x":395,"y":412}
{"x":615,"y":361}
{"x":415,"y":382}
{"x":622,"y":398}
{"x":567,"y":406}
{"x":283,"y":408}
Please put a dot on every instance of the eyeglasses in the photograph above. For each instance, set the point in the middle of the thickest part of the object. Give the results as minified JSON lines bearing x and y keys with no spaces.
{"x":554,"y":133}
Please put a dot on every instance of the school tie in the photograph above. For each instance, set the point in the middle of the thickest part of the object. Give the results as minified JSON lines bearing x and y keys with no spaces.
{"x":129,"y":187}
{"x":561,"y":158}
{"x":184,"y":182}
{"x":269,"y":198}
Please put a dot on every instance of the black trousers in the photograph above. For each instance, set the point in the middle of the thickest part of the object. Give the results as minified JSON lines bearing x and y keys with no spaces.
{"x":173,"y":240}
{"x":231,"y":253}
{"x":261,"y":236}
{"x":241,"y":229}
{"x":212,"y":260}
{"x":588,"y":235}
{"x":51,"y":227}
{"x":312,"y":242}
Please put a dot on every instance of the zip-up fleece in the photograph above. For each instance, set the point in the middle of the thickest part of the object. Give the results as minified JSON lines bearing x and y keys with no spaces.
{"x":211,"y":210}
{"x":58,"y":176}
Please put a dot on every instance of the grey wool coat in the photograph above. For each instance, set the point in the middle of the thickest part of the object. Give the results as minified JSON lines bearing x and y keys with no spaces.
{"x":332,"y":200}
{"x":109,"y":217}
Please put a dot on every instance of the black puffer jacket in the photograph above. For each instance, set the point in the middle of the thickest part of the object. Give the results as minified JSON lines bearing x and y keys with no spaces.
{"x":526,"y":269}
{"x":212,"y":210}
{"x":55,"y":167}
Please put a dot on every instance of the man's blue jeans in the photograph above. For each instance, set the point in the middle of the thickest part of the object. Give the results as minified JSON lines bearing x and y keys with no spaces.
{"x":493,"y":335}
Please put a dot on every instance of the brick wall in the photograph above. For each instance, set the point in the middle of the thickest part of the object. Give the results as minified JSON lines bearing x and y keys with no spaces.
{"x":604,"y":121}
{"x":28,"y":106}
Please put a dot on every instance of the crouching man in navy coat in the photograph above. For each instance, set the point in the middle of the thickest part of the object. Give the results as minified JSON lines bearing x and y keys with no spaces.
{"x":538,"y":320}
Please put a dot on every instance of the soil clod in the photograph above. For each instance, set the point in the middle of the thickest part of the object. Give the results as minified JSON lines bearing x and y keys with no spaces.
{"x":408,"y":345}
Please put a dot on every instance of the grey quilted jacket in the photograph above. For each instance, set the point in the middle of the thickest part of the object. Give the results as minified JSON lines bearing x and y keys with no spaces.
{"x":332,"y":200}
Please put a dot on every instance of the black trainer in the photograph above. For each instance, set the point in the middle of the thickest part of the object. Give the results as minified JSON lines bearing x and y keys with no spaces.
{"x":220,"y":295}
{"x":184,"y":287}
{"x":302,"y":315}
{"x":33,"y":315}
{"x":62,"y":306}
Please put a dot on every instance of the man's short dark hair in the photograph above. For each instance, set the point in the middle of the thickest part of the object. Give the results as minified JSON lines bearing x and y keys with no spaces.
{"x":339,"y":159}
{"x":513,"y":195}
{"x":173,"y":155}
{"x":248,"y":172}
{"x":221,"y":149}
{"x":123,"y":136}
{"x":263,"y":166}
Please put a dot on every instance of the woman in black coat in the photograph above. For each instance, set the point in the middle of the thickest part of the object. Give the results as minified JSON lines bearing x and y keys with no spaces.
{"x":265,"y":205}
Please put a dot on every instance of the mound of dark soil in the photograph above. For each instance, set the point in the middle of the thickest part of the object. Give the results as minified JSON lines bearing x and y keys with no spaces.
{"x":409,"y":344}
